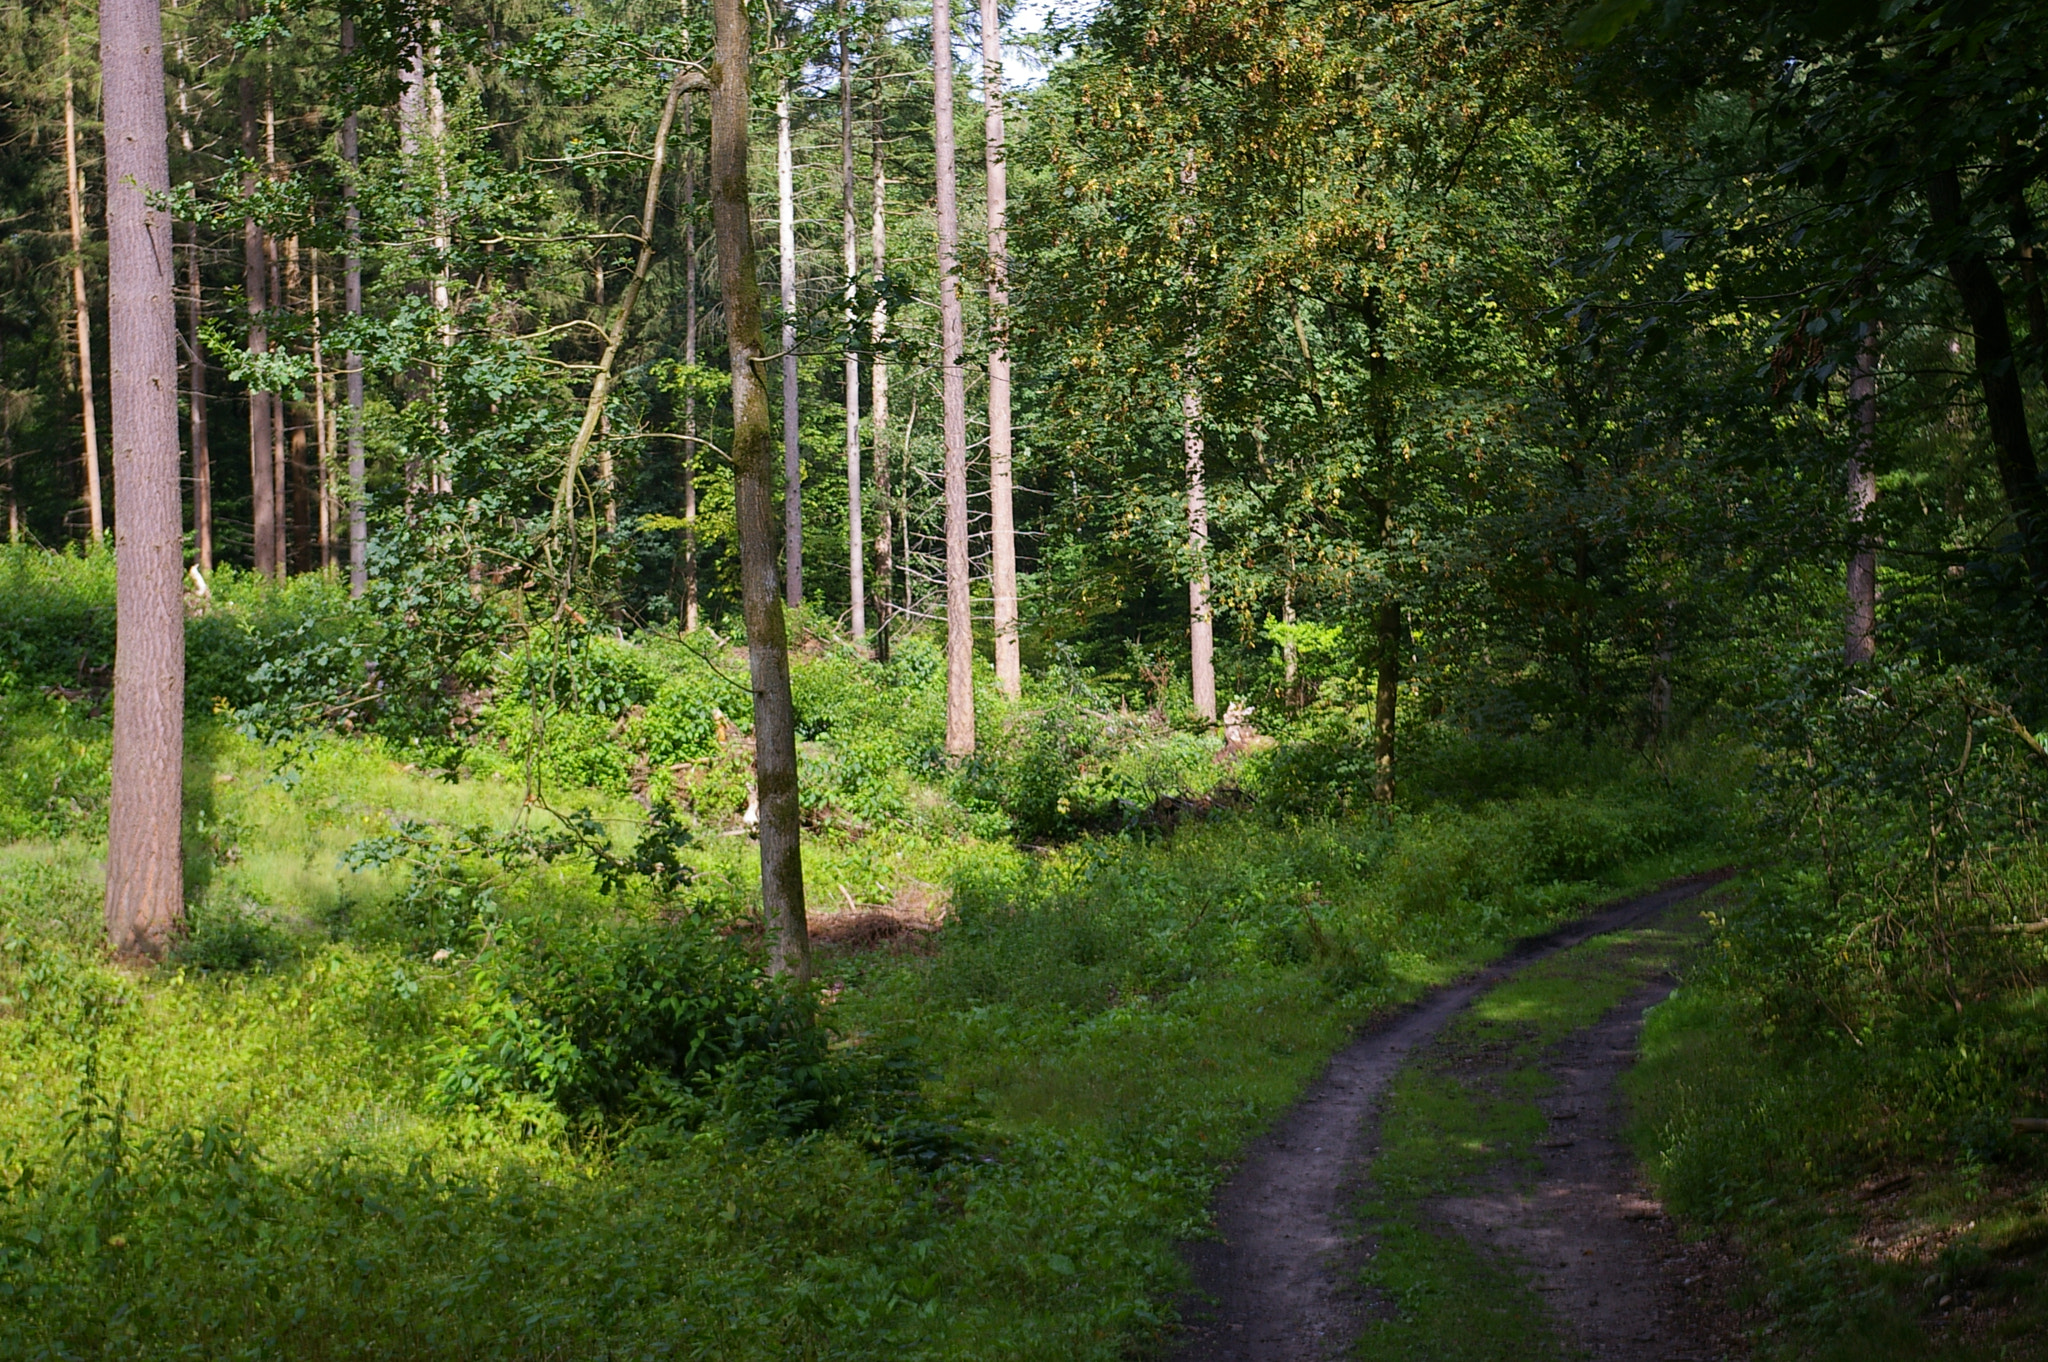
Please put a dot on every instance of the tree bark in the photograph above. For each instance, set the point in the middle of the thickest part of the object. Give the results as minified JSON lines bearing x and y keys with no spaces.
{"x":690,"y":359}
{"x":856,"y":548}
{"x":1859,"y":642}
{"x":615,"y":336}
{"x":953,"y":399}
{"x":1001,"y":492}
{"x":878,"y":394}
{"x":322,"y":456}
{"x":202,"y":455}
{"x":352,"y":303}
{"x":255,"y":287}
{"x":792,"y":448}
{"x":782,"y":880}
{"x":1201,"y":623}
{"x":1386,"y":700}
{"x":74,"y":194}
{"x":280,"y":486}
{"x":1998,"y":376}
{"x":145,"y":875}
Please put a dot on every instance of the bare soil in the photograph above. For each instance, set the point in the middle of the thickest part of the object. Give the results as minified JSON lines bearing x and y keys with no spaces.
{"x":1273,"y":1285}
{"x":1587,"y":1235}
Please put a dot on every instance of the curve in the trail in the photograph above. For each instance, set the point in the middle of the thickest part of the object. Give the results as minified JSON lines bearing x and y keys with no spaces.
{"x":1269,"y":1288}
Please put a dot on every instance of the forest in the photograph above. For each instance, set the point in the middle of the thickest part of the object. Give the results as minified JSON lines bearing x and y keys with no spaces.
{"x":1199,"y":679}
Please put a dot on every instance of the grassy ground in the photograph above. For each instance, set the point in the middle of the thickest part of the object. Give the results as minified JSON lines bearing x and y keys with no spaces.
{"x":1868,"y":1238}
{"x":455,"y":1100}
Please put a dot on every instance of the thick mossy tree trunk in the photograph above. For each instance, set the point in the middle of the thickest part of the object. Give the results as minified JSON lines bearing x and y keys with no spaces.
{"x":145,"y":872}
{"x":782,"y":878}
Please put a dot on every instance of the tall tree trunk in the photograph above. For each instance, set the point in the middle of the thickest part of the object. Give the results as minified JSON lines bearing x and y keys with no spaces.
{"x":2005,"y":408}
{"x":605,"y":474}
{"x":1389,"y":627}
{"x":1001,"y":494}
{"x":323,"y":457}
{"x":856,"y":547}
{"x":953,"y":396}
{"x":782,"y":879}
{"x":792,"y":451}
{"x":255,"y":287}
{"x":1386,"y":699}
{"x":352,"y":303}
{"x":202,"y":456}
{"x":878,"y":394}
{"x":145,"y":873}
{"x":1201,"y":623}
{"x":1859,"y":642}
{"x":281,"y":519}
{"x":690,"y":360}
{"x":74,"y":195}
{"x":2031,"y":297}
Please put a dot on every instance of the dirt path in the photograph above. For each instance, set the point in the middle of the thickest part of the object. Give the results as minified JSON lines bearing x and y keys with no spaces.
{"x":1622,"y":1285}
{"x":1272,"y":1287}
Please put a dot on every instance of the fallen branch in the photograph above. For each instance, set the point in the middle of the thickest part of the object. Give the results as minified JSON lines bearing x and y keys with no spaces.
{"x":2030,"y":1125}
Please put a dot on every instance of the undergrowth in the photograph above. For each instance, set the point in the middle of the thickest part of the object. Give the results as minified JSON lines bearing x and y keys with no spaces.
{"x":468,"y":1052}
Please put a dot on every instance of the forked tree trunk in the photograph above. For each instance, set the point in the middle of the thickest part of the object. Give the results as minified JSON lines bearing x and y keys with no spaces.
{"x":792,"y":449}
{"x":352,"y":303}
{"x":202,"y":456}
{"x":1001,"y":495}
{"x":782,"y":879}
{"x":690,"y":360}
{"x":262,"y":502}
{"x":74,"y":195}
{"x":878,"y":396}
{"x":856,"y":550}
{"x":1859,"y":642}
{"x":953,"y":398}
{"x":1201,"y":622}
{"x":145,"y":873}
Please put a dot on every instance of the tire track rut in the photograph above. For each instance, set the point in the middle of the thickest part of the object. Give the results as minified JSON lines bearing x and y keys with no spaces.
{"x":1272,"y":1287}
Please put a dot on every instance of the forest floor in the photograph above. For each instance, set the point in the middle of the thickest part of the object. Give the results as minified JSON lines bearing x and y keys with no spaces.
{"x":1460,"y":1175}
